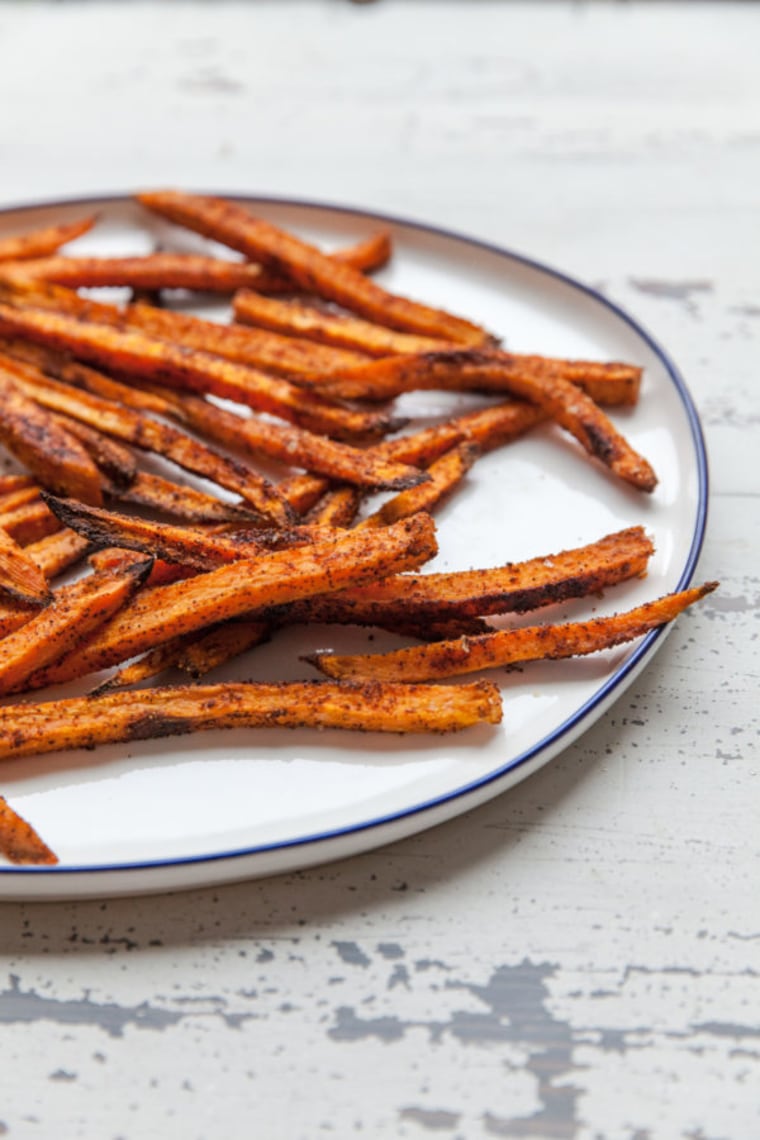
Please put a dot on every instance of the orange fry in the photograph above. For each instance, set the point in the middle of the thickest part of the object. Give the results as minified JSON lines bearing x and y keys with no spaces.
{"x":57,"y":460}
{"x":297,"y":319}
{"x":613,"y":384}
{"x":197,"y":657}
{"x":40,"y":243}
{"x":178,"y":501}
{"x":74,"y":612}
{"x":19,"y":842}
{"x":29,"y":523}
{"x":508,"y":647}
{"x":20,"y":576}
{"x":139,"y":354}
{"x":86,"y":722}
{"x":337,"y":507}
{"x":164,"y":612}
{"x":444,"y":474}
{"x":313,"y":270}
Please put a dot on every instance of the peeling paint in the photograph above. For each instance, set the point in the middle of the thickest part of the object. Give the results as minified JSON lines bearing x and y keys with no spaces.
{"x":436,"y":1119}
{"x":351,"y":954}
{"x":25,"y":1006}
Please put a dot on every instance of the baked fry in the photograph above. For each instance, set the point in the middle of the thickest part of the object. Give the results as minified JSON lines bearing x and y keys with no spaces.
{"x":20,"y":498}
{"x":12,"y":483}
{"x":29,"y":523}
{"x":245,"y":587}
{"x":612,"y":384}
{"x":87,"y":722}
{"x":40,"y":243}
{"x":297,"y":319}
{"x":150,"y":434}
{"x":560,"y":399}
{"x":314,"y":271}
{"x":74,"y":612}
{"x":337,"y":507}
{"x":444,"y":475}
{"x":20,"y":576}
{"x":135,"y":353}
{"x":197,"y":657}
{"x":19,"y":842}
{"x":511,"y":646}
{"x":151,"y":664}
{"x":58,"y":551}
{"x":514,"y":588}
{"x":178,"y":501}
{"x":57,"y":460}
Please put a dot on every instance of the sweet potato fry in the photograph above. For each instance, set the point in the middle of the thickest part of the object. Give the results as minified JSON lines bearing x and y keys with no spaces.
{"x":86,"y":722}
{"x":444,"y":476}
{"x":197,"y":657}
{"x":114,"y":460}
{"x":19,"y":842}
{"x":283,"y":355}
{"x":57,"y":460}
{"x":40,"y":243}
{"x":151,"y":664}
{"x":560,"y":399}
{"x":297,"y":319}
{"x":74,"y":612}
{"x":29,"y":523}
{"x":514,"y":588}
{"x":11,"y":500}
{"x":245,"y":587}
{"x":188,"y":547}
{"x":508,"y":647}
{"x":337,"y":507}
{"x":58,"y":551}
{"x":178,"y":501}
{"x":20,"y":576}
{"x":313,"y":270}
{"x":12,"y":483}
{"x":294,"y":446}
{"x":136,"y":353}
{"x":150,"y":434}
{"x":612,"y":384}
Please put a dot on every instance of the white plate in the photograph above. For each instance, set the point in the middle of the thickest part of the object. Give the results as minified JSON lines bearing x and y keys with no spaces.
{"x":186,"y":812}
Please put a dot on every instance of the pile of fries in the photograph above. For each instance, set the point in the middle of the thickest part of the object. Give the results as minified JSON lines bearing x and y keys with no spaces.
{"x":302,"y":382}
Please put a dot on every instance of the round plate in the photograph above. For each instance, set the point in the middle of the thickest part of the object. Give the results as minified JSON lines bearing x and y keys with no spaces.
{"x":220,"y":806}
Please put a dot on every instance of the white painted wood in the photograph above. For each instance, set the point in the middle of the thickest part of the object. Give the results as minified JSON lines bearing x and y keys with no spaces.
{"x":578,"y":959}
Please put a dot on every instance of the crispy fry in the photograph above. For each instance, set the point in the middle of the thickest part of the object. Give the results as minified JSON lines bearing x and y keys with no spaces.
{"x":58,"y":551}
{"x":508,"y":647}
{"x":199,"y":549}
{"x":86,"y":722}
{"x":57,"y":460}
{"x":74,"y":612}
{"x":150,"y":434}
{"x":164,"y":612}
{"x":12,"y":483}
{"x":562,"y":400}
{"x":178,"y":501}
{"x":514,"y":588}
{"x":40,"y":243}
{"x":19,"y":842}
{"x":136,"y":353}
{"x":197,"y":657}
{"x":297,"y":319}
{"x":294,"y":446}
{"x":151,"y":664}
{"x":313,"y":270}
{"x":444,"y":476}
{"x":29,"y":523}
{"x":113,"y":459}
{"x":11,"y":500}
{"x":337,"y":507}
{"x":286,"y":356}
{"x":612,"y":384}
{"x":20,"y":576}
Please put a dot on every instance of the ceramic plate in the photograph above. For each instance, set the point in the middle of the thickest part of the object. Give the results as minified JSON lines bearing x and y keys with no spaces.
{"x":216,"y":807}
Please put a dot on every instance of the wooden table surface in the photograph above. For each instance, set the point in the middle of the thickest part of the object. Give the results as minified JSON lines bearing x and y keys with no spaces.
{"x":579,"y":958}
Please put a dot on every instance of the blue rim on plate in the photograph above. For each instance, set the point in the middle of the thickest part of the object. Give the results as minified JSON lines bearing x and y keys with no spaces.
{"x":567,"y":727}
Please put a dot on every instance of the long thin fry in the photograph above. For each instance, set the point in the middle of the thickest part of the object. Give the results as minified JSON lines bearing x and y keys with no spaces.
{"x":562,"y":400}
{"x":19,"y":842}
{"x":197,"y":657}
{"x":337,"y":507}
{"x":245,"y":587}
{"x":58,"y":551}
{"x":136,"y":353}
{"x":20,"y":576}
{"x":29,"y":523}
{"x":297,"y":319}
{"x":179,"y":501}
{"x":313,"y":270}
{"x":508,"y":647}
{"x":40,"y":243}
{"x":515,"y":588}
{"x":74,"y":612}
{"x":444,"y":475}
{"x":86,"y":722}
{"x":57,"y":460}
{"x":149,"y":434}
{"x":613,"y":384}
